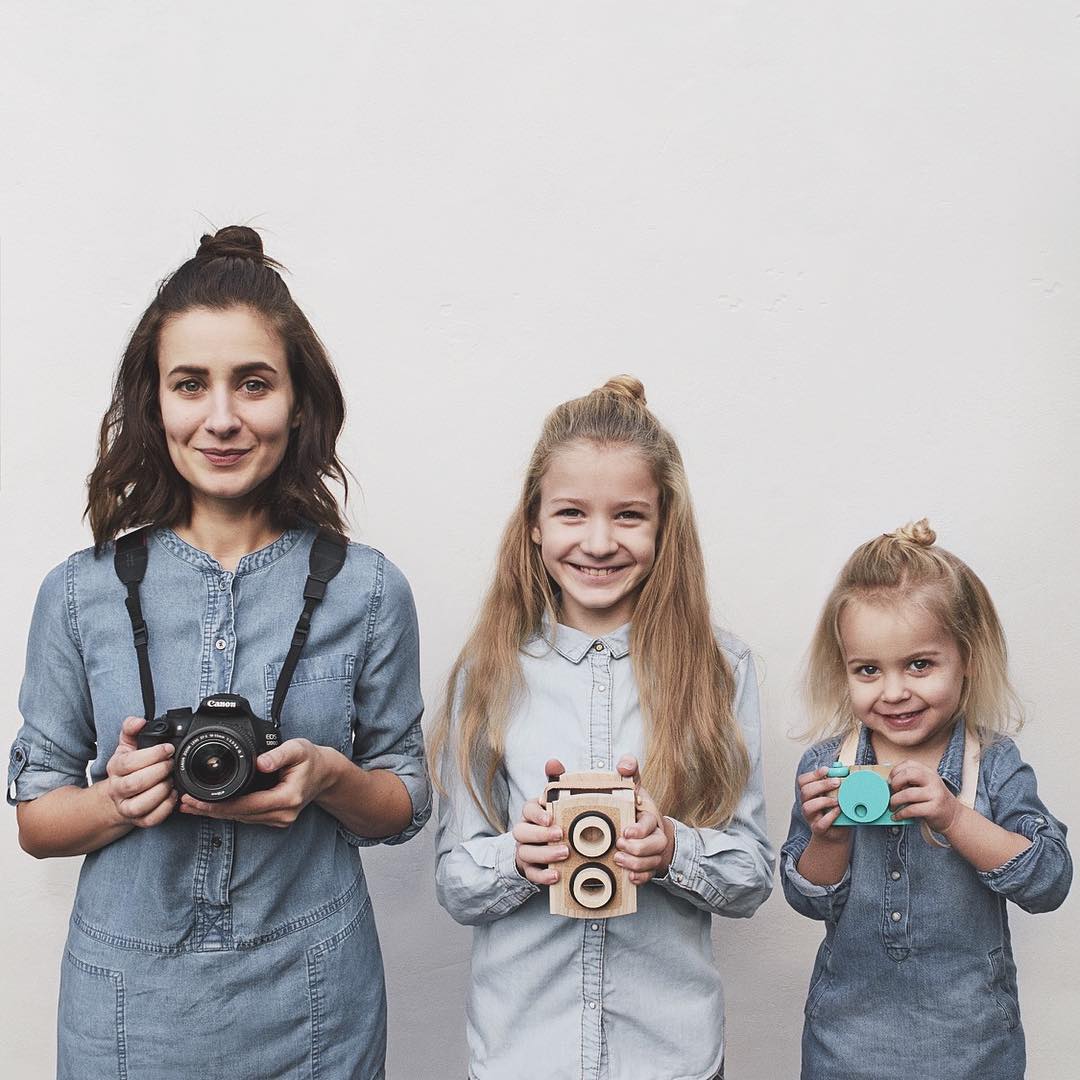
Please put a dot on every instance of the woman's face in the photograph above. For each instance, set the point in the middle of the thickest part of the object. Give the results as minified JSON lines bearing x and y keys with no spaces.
{"x":227,"y":402}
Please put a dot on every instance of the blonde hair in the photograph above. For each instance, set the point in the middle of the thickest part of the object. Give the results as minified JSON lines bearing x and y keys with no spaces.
{"x":696,"y":763}
{"x":907,"y":566}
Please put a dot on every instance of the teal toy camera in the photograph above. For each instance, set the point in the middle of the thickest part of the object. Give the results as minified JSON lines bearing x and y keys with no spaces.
{"x":864,"y":795}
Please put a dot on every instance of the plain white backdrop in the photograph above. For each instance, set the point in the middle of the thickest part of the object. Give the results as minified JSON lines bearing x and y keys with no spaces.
{"x":836,"y":241}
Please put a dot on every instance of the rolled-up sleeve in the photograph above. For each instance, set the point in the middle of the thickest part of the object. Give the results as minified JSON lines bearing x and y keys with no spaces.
{"x":1038,"y":878}
{"x":57,"y":739}
{"x":387,"y":700}
{"x":729,"y":871}
{"x":823,"y":902}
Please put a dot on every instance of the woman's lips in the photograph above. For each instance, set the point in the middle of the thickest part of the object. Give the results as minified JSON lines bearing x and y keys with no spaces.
{"x":223,"y":458}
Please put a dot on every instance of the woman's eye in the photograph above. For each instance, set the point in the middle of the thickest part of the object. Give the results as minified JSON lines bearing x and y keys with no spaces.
{"x":188,"y":386}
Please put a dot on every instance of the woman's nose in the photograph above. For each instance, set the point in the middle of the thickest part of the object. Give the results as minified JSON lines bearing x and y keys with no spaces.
{"x":221,"y":418}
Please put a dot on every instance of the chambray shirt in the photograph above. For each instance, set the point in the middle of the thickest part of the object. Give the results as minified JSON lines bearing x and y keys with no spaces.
{"x":193,"y":886}
{"x":916,"y":973}
{"x":636,"y":997}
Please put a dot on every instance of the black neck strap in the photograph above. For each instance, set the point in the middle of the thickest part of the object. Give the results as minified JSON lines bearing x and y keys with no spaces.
{"x":327,"y":558}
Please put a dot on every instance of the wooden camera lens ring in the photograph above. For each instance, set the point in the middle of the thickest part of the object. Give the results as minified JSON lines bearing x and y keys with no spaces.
{"x":592,"y":834}
{"x":592,"y":885}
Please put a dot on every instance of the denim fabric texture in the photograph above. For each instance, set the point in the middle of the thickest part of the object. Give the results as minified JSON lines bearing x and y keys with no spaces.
{"x":203,"y":947}
{"x":916,"y":976}
{"x":637,"y":997}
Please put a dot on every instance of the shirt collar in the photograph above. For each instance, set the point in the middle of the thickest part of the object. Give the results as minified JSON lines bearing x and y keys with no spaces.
{"x":950,"y":768}
{"x":574,"y":645}
{"x":254,"y":560}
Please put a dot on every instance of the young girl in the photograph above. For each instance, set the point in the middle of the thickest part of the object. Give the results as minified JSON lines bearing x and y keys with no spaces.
{"x":594,"y":649}
{"x":916,"y":975}
{"x":233,"y":938}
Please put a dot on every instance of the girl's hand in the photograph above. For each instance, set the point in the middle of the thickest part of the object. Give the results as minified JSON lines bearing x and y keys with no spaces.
{"x":305,"y":773}
{"x":647,"y":847}
{"x":539,"y":843}
{"x":820,"y":805}
{"x":139,"y":782}
{"x":919,"y":792}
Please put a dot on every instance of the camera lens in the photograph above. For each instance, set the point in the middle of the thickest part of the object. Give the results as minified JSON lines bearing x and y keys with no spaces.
{"x":213,"y":764}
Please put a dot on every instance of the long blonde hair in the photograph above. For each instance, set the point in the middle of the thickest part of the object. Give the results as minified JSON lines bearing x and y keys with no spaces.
{"x":696,"y":763}
{"x":907,"y":566}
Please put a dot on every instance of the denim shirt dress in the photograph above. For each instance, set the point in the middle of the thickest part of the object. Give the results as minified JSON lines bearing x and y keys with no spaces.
{"x":916,"y":976}
{"x":637,"y":997}
{"x":212,"y":948}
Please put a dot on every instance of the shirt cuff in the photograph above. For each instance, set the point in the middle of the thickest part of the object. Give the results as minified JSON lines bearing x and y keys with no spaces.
{"x":790,"y":860}
{"x":1017,"y":871}
{"x":518,"y":888}
{"x":419,"y":796}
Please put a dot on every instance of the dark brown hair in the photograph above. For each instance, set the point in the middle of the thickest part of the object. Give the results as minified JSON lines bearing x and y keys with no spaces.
{"x":134,"y":481}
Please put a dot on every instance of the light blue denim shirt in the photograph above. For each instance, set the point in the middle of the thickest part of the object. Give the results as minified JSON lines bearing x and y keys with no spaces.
{"x":916,"y":967}
{"x":637,"y":997}
{"x":194,"y":887}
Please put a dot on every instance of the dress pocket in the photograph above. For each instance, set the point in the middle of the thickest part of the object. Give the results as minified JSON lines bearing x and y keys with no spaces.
{"x":819,"y":980}
{"x":90,"y":1022}
{"x":348,"y":1002}
{"x":319,"y":704}
{"x":1003,"y":987}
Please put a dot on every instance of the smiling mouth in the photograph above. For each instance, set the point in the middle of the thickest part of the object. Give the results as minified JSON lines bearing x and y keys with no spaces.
{"x":902,"y":718}
{"x":222,"y":457}
{"x":600,"y":572}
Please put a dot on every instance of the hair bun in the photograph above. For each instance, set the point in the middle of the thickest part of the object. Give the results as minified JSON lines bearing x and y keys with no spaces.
{"x":916,"y":532}
{"x":233,"y":241}
{"x":625,"y":386}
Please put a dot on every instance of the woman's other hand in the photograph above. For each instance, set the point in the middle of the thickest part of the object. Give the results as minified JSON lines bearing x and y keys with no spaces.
{"x":139,"y":782}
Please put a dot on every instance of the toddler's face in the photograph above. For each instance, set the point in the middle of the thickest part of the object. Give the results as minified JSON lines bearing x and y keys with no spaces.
{"x":905,"y":673}
{"x":596,"y":526}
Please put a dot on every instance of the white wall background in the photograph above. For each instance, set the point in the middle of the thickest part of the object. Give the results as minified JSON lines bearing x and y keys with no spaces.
{"x":836,"y":241}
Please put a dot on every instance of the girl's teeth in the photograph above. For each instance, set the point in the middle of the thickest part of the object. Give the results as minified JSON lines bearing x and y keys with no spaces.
{"x":596,"y":571}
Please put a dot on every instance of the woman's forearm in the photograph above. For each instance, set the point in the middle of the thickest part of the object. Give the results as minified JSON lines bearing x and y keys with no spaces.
{"x":70,"y":821}
{"x":371,"y":803}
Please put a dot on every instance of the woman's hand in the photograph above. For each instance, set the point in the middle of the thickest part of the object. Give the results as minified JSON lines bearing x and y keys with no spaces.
{"x":139,"y":782}
{"x":305,"y":773}
{"x":539,"y":842}
{"x":919,"y":792}
{"x":820,"y":805}
{"x":646,"y":847}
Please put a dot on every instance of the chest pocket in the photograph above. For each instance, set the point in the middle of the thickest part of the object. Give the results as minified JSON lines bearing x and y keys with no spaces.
{"x":319,"y":705}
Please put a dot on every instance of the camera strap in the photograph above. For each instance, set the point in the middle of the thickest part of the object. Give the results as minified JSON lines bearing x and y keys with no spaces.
{"x":129,"y":560}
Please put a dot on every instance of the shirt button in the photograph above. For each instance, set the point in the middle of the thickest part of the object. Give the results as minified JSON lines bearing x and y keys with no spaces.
{"x":895,"y":875}
{"x":596,"y":926}
{"x":895,"y":830}
{"x":679,"y":878}
{"x":223,"y":584}
{"x":1040,"y":821}
{"x":601,"y":689}
{"x":896,"y":916}
{"x":220,"y":644}
{"x":215,"y":840}
{"x":599,"y":647}
{"x":592,"y":1004}
{"x":601,"y":764}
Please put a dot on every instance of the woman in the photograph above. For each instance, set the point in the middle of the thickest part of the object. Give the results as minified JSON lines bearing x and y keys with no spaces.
{"x":221,"y":936}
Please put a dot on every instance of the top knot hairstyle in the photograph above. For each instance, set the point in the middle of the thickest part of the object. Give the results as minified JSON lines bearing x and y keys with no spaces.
{"x":134,"y":481}
{"x":907,"y":566}
{"x":696,"y":764}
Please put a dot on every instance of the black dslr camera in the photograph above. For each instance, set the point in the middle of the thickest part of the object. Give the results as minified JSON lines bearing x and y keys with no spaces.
{"x":216,"y":747}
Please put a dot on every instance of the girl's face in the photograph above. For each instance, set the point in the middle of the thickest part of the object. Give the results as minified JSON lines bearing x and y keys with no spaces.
{"x":226,"y":401}
{"x":905,"y":673}
{"x":596,"y":527}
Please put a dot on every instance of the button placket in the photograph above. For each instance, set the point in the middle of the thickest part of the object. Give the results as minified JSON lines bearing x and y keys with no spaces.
{"x":600,"y":752}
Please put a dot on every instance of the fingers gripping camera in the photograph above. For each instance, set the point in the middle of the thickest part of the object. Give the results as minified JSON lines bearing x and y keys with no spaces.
{"x":216,"y":747}
{"x":864,"y":795}
{"x":592,"y":809}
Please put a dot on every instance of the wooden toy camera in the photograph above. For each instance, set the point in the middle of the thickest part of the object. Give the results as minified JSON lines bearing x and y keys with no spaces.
{"x":864,"y":795}
{"x":592,"y":809}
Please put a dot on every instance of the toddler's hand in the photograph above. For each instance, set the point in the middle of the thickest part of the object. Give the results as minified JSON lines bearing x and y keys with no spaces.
{"x":538,"y":841}
{"x":647,"y":847}
{"x":919,"y":792}
{"x":820,"y":805}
